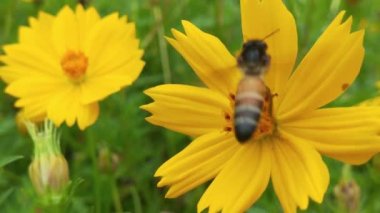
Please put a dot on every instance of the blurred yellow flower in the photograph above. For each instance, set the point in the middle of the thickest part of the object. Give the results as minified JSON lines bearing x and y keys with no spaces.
{"x":64,"y":64}
{"x":288,"y":151}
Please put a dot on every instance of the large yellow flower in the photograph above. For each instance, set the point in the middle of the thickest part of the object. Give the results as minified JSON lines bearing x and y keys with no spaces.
{"x":288,"y":152}
{"x":63,"y":65}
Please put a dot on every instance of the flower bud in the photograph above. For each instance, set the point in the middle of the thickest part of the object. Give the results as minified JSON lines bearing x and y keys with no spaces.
{"x":108,"y":161}
{"x":49,"y":170}
{"x":347,"y":193}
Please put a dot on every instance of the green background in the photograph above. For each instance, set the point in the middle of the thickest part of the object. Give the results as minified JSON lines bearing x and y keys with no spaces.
{"x":117,"y":156}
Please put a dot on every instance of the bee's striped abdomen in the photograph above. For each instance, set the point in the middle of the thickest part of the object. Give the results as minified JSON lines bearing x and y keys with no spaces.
{"x":248,"y":105}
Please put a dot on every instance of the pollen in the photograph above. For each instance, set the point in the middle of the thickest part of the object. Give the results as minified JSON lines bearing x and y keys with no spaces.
{"x":266,"y":124}
{"x":74,"y":64}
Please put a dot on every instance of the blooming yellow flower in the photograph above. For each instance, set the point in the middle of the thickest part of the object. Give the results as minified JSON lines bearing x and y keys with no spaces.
{"x":63,"y":65}
{"x":287,"y":152}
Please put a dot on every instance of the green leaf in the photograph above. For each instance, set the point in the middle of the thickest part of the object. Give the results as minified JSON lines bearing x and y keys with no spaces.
{"x":5,"y":195}
{"x":9,"y":159}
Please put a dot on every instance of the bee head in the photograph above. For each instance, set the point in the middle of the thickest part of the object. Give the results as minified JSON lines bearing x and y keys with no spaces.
{"x":253,"y":58}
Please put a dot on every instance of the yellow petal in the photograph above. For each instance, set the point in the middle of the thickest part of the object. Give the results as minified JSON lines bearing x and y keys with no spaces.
{"x":42,"y":24}
{"x":34,"y":53}
{"x":242,"y":180}
{"x":34,"y":106}
{"x":86,"y":19}
{"x":349,"y":134}
{"x":87,"y":115}
{"x":23,"y":58}
{"x":197,"y":163}
{"x":66,"y":107}
{"x":325,"y":72}
{"x":63,"y":106}
{"x":261,"y":18}
{"x":98,"y":87}
{"x":65,"y":32}
{"x":190,"y":110}
{"x":36,"y":86}
{"x":208,"y":57}
{"x":35,"y":111}
{"x":35,"y":94}
{"x":38,"y":35}
{"x":110,"y":45}
{"x":298,"y":172}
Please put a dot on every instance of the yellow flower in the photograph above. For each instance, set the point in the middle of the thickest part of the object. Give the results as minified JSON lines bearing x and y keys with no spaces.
{"x":288,"y":152}
{"x":63,"y":65}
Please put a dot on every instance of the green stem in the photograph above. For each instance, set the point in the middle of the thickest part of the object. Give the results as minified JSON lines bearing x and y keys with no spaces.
{"x":147,"y":40}
{"x":219,"y":16}
{"x":58,"y":208}
{"x":135,"y":10}
{"x":8,"y":20}
{"x":91,"y":146}
{"x":346,"y":172}
{"x":136,"y":199}
{"x":334,"y":6}
{"x":116,"y":195}
{"x":164,"y":55}
{"x":9,"y":175}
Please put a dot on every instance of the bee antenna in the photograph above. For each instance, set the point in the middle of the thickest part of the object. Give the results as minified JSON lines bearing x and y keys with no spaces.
{"x":272,"y":33}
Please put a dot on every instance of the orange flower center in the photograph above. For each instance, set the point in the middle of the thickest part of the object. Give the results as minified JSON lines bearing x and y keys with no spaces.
{"x":74,"y":64}
{"x":266,"y":123}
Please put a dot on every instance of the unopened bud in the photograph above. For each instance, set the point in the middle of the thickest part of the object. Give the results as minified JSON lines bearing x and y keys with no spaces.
{"x":347,"y":193}
{"x":108,"y":161}
{"x":49,"y":170}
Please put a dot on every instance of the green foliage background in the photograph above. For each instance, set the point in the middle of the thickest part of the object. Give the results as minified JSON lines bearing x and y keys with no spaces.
{"x":117,"y":157}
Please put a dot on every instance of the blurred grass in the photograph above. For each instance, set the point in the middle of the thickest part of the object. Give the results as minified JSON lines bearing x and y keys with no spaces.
{"x":118,"y":171}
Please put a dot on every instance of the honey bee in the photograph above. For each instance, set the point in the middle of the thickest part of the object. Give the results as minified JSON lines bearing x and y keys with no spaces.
{"x":253,"y":61}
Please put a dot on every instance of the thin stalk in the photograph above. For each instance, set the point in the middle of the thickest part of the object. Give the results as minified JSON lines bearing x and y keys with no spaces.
{"x":173,"y":17}
{"x":91,"y":148}
{"x":8,"y":20}
{"x":136,"y":199}
{"x":163,"y":48}
{"x":176,"y":12}
{"x":134,"y":4}
{"x":9,"y":175}
{"x":219,"y":16}
{"x":116,"y":196}
{"x":147,"y":40}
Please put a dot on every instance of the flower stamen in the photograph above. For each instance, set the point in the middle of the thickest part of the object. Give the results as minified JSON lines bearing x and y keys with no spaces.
{"x":266,"y":124}
{"x":232,"y":96}
{"x":227,"y":117}
{"x":74,"y":64}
